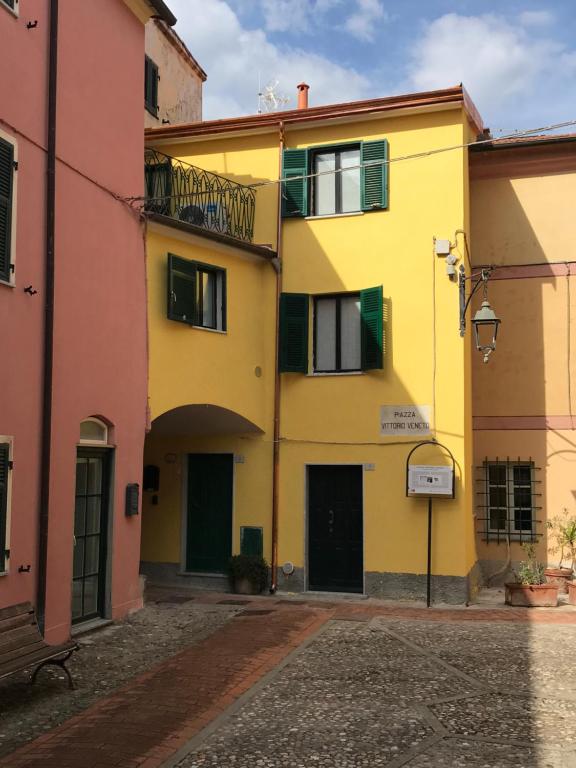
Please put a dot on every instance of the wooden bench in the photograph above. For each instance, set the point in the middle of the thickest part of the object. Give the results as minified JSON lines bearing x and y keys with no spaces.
{"x":22,"y":646}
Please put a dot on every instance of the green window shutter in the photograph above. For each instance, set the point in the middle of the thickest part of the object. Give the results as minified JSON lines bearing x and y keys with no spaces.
{"x":158,"y":179}
{"x":294,"y":188}
{"x":371,"y":316}
{"x":293,"y":352}
{"x":6,"y":189}
{"x":374,"y":177}
{"x":181,"y":290}
{"x":150,"y":86}
{"x":4,"y":469}
{"x":251,"y":541}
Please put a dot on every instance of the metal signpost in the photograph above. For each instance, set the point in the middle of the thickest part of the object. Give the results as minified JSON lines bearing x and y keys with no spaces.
{"x":424,"y":480}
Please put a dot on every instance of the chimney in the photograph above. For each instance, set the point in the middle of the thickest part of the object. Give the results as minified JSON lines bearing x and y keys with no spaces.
{"x":303,"y":95}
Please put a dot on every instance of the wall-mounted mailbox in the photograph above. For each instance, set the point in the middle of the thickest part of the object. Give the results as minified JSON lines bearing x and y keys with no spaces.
{"x":132,"y":496}
{"x":251,"y":540}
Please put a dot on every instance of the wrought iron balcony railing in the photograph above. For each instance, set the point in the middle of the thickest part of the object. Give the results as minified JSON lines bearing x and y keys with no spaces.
{"x":175,"y":188}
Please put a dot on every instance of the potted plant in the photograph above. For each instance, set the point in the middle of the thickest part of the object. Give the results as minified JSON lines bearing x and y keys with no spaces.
{"x":248,"y":574}
{"x":562,"y":538}
{"x":531,"y":588}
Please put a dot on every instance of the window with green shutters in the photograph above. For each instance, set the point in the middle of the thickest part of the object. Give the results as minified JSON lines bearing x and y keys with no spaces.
{"x":347,"y":332}
{"x":196,"y":293}
{"x":293,"y":346}
{"x":10,"y":3}
{"x":329,"y":180}
{"x":150,"y":86}
{"x":6,"y":203}
{"x":4,"y":472}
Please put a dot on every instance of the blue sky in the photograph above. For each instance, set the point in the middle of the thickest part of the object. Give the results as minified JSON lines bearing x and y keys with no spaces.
{"x":516,"y":58}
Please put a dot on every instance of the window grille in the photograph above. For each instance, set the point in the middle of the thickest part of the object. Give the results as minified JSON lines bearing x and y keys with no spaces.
{"x":507,"y":494}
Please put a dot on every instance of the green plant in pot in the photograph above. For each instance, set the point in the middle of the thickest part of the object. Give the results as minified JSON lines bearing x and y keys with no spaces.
{"x":562,"y":542}
{"x":531,"y":588}
{"x":248,"y":574}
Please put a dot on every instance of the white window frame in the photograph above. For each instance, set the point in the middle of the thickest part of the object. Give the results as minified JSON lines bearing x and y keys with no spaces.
{"x":12,"y":255}
{"x":14,"y":11}
{"x":10,"y":440}
{"x":102,"y":443}
{"x":510,"y":508}
{"x":338,"y":340}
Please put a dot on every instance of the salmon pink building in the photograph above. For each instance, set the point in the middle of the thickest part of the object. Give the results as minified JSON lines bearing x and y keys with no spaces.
{"x":72,"y":306}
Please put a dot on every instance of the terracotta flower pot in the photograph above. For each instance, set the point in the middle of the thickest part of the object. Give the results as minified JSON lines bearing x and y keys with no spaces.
{"x":572,"y":592}
{"x":560,"y":576}
{"x":532,"y":595}
{"x":245,"y":587}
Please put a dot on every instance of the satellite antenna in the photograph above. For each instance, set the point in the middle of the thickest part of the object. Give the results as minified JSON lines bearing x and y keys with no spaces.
{"x":269,"y":99}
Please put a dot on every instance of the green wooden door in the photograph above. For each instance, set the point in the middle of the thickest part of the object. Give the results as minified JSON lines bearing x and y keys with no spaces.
{"x":209,"y":530}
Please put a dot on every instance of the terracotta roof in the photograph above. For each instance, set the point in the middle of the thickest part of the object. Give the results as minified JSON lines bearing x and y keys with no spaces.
{"x":526,"y":141}
{"x":163,"y":11}
{"x":456,"y":96}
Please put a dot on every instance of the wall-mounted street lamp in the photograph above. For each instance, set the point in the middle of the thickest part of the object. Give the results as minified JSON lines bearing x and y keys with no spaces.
{"x":485,"y":321}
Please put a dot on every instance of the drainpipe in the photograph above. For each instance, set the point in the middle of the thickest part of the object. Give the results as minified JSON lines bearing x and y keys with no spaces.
{"x":277,"y":380}
{"x":45,"y":453}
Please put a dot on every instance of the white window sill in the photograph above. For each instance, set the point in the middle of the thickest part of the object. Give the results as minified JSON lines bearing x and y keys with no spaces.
{"x":321,"y":374}
{"x":6,"y":282}
{"x":334,"y":215}
{"x":210,"y":330}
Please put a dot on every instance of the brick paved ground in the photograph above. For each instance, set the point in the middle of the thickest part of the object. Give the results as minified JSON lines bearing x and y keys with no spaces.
{"x":379,"y":685}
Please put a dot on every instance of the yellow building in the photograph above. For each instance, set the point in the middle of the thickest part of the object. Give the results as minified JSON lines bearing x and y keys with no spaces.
{"x":298,"y":448}
{"x":522,"y":194}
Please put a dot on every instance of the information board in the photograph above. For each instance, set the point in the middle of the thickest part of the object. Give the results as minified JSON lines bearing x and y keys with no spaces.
{"x":426,"y":480}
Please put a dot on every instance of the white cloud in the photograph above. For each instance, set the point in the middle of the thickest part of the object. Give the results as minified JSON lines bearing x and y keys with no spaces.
{"x":294,"y":15}
{"x":363,"y":24}
{"x":536,"y":18}
{"x":233,"y":56}
{"x":495,"y":60}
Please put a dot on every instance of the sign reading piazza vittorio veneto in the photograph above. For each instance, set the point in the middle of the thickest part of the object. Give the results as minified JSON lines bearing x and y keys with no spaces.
{"x":409,"y":420}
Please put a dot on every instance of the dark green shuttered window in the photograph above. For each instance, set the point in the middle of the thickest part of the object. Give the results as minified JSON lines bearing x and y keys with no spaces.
{"x":4,"y":470}
{"x":9,"y":3}
{"x":374,"y":178}
{"x":150,"y":86}
{"x":297,"y":165}
{"x":293,"y":342}
{"x":6,"y":194}
{"x":295,"y":192}
{"x":371,"y":314}
{"x":293,"y":352}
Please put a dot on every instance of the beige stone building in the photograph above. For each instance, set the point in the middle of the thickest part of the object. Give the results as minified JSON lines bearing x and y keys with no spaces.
{"x":173,"y":79}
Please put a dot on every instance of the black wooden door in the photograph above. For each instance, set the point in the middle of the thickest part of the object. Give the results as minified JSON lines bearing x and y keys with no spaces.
{"x":335,"y":561}
{"x":90,"y":534}
{"x":209,"y":530}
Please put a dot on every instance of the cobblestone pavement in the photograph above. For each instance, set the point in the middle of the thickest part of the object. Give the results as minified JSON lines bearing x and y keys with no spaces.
{"x":421,"y":694}
{"x":106,"y":659}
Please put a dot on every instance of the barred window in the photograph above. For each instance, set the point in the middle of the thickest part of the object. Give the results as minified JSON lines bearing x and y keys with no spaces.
{"x":509,"y":505}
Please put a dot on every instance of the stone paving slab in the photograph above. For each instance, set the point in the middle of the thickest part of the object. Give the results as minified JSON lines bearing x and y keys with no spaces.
{"x":149,"y":719}
{"x":381,"y":685}
{"x":402,"y":693}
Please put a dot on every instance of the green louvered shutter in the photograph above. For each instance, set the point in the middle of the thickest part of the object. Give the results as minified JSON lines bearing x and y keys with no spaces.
{"x":295,"y":187}
{"x":181,"y":290}
{"x":6,"y":190}
{"x":10,"y":3}
{"x":293,"y":352}
{"x":150,"y":86}
{"x":374,"y":177}
{"x":158,"y":179}
{"x":371,"y":317}
{"x":4,"y":469}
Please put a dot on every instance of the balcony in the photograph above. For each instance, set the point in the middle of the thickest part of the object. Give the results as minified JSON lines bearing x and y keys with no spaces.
{"x":189,"y":194}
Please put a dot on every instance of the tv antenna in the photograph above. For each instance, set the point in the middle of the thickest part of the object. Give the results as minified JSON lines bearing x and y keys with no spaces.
{"x":269,"y":98}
